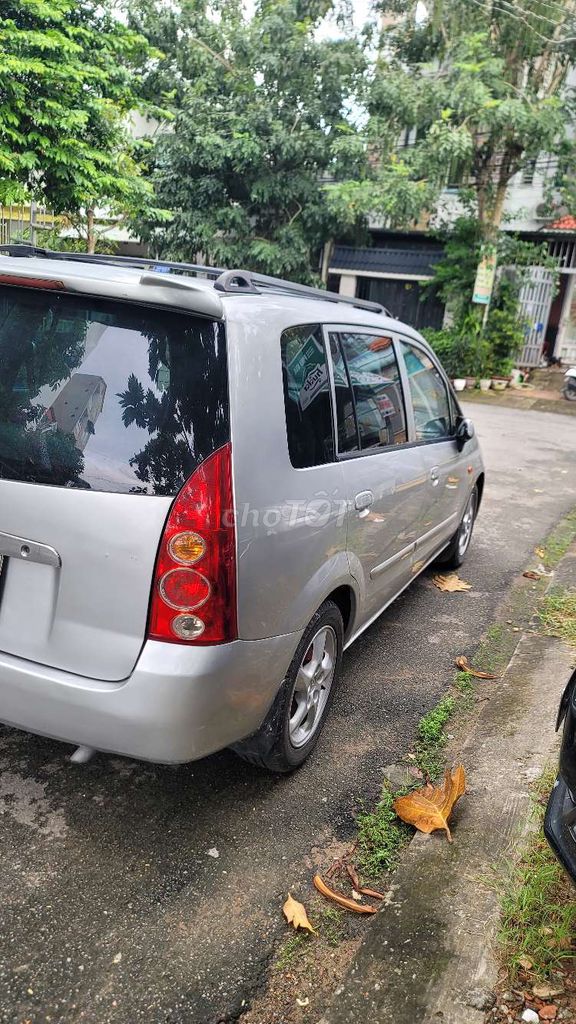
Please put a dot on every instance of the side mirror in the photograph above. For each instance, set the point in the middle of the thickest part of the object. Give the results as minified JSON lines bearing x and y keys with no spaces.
{"x":465,"y":431}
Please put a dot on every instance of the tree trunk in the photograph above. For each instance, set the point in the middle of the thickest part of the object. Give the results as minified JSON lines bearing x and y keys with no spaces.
{"x":90,"y":233}
{"x":326,"y":259}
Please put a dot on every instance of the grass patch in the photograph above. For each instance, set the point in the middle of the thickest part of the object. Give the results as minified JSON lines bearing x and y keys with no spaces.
{"x":431,"y":737}
{"x":558,"y":615}
{"x":559,"y":540}
{"x":496,"y":648}
{"x":538,"y":910}
{"x":380,"y":836}
{"x":329,"y":921}
{"x":464,"y":682}
{"x":292,"y":950}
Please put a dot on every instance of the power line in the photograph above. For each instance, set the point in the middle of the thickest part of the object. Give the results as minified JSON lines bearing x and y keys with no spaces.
{"x":516,"y":17}
{"x":511,"y":8}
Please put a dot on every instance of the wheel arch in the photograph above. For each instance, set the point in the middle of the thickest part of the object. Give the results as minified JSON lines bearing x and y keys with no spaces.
{"x":344,"y":597}
{"x":480,"y":487}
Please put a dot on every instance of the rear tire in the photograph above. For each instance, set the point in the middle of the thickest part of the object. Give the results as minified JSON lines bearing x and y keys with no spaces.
{"x":293,"y":725}
{"x":453,"y":556}
{"x":569,"y":393}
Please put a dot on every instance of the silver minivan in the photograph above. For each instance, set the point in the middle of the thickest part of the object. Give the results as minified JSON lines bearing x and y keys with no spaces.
{"x":210,"y":484}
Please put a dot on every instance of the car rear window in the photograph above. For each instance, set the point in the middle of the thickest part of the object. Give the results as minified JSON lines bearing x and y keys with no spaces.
{"x":108,"y":396}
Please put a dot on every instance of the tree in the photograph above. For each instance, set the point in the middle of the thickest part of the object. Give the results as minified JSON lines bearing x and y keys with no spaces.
{"x":70,"y":73}
{"x":480,"y":85}
{"x":263,"y":119}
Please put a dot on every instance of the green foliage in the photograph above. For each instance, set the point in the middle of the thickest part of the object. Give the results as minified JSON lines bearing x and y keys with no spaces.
{"x":68,"y":79}
{"x":480,"y":86}
{"x":262,"y":123}
{"x":466,"y":347}
{"x":431,"y":737}
{"x":380,"y":836}
{"x":504,"y":330}
{"x":538,"y":909}
{"x":558,"y":615}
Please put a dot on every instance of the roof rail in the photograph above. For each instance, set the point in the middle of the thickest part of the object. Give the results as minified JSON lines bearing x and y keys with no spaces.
{"x":238,"y":282}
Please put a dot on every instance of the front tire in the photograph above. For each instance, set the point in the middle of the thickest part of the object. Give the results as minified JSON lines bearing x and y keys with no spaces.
{"x":453,"y":556}
{"x":569,"y":392}
{"x":293,"y":725}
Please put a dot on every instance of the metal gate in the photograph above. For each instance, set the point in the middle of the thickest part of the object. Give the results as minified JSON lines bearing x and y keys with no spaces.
{"x":535,"y":301}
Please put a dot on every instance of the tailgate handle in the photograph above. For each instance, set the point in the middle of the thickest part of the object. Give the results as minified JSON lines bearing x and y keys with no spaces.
{"x":28,"y":550}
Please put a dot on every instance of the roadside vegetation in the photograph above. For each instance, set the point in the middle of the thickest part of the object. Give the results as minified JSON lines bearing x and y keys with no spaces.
{"x":538,"y":909}
{"x":558,"y":615}
{"x":537,"y":918}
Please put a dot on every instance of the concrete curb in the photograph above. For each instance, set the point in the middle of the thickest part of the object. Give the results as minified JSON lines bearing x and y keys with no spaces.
{"x":427,"y":956}
{"x":520,"y":400}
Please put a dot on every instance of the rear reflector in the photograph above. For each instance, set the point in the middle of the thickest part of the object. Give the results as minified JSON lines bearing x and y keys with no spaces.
{"x":197,"y":605}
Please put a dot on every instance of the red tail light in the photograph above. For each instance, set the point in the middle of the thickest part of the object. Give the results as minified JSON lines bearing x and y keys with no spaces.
{"x":194,"y":591}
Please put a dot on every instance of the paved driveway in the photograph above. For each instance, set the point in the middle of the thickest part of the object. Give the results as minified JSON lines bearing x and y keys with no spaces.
{"x":110,"y":908}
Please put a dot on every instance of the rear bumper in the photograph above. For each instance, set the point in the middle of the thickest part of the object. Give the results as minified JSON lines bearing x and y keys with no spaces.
{"x":179,"y":704}
{"x":560,"y":825}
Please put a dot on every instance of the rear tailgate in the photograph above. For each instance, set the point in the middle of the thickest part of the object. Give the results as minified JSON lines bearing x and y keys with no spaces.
{"x":105,"y":410}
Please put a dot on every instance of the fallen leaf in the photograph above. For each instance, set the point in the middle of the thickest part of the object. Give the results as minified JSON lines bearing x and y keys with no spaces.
{"x":303,"y":1002}
{"x":464,"y":665}
{"x":373,"y":893}
{"x":545,"y":991}
{"x":429,"y":808}
{"x":353,"y":876}
{"x":295,"y":914}
{"x":525,"y":963}
{"x":531,"y":574}
{"x":548,"y":1012}
{"x":341,"y":900}
{"x":356,"y":896}
{"x":541,"y":552}
{"x":450,"y":583}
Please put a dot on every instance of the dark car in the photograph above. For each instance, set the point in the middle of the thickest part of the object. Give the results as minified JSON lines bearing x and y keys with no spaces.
{"x":560,"y":820}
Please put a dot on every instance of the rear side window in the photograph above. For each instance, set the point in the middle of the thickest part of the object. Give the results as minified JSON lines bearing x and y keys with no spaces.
{"x":430,"y":401}
{"x":107,"y":396}
{"x":307,"y":397}
{"x":376,"y":387}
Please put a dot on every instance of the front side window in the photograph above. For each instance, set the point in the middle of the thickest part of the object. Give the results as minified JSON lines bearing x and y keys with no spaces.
{"x":307,"y":397}
{"x":105,"y":395}
{"x":374,"y":379}
{"x":429,"y":394}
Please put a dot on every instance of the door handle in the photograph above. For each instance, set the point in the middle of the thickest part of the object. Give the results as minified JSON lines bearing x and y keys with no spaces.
{"x":363,"y":501}
{"x":435,"y":476}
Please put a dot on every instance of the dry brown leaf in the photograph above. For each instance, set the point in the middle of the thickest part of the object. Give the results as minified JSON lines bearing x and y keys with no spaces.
{"x":450,"y":583}
{"x":531,"y":574}
{"x":464,"y":665}
{"x":525,"y":963}
{"x":341,"y":900}
{"x":546,"y":991}
{"x":373,"y":893}
{"x":429,"y":808}
{"x":353,"y":877}
{"x":295,"y":914}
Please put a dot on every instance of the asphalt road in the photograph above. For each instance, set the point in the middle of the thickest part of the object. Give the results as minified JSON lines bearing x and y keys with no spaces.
{"x":111,"y":909}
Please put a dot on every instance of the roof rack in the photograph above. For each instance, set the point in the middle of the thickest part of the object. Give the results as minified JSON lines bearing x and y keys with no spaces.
{"x":237,"y":282}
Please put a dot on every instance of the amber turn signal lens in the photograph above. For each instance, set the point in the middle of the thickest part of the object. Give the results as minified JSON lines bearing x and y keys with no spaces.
{"x":187,"y":547}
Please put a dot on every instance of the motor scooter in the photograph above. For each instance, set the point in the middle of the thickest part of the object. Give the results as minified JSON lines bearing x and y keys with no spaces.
{"x":569,"y":388}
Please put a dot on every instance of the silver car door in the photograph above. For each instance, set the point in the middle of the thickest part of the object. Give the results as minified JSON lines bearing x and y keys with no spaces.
{"x":384,"y":474}
{"x":447,"y":479}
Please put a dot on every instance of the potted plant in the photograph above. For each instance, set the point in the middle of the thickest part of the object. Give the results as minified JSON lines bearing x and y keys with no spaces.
{"x":501,"y":375}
